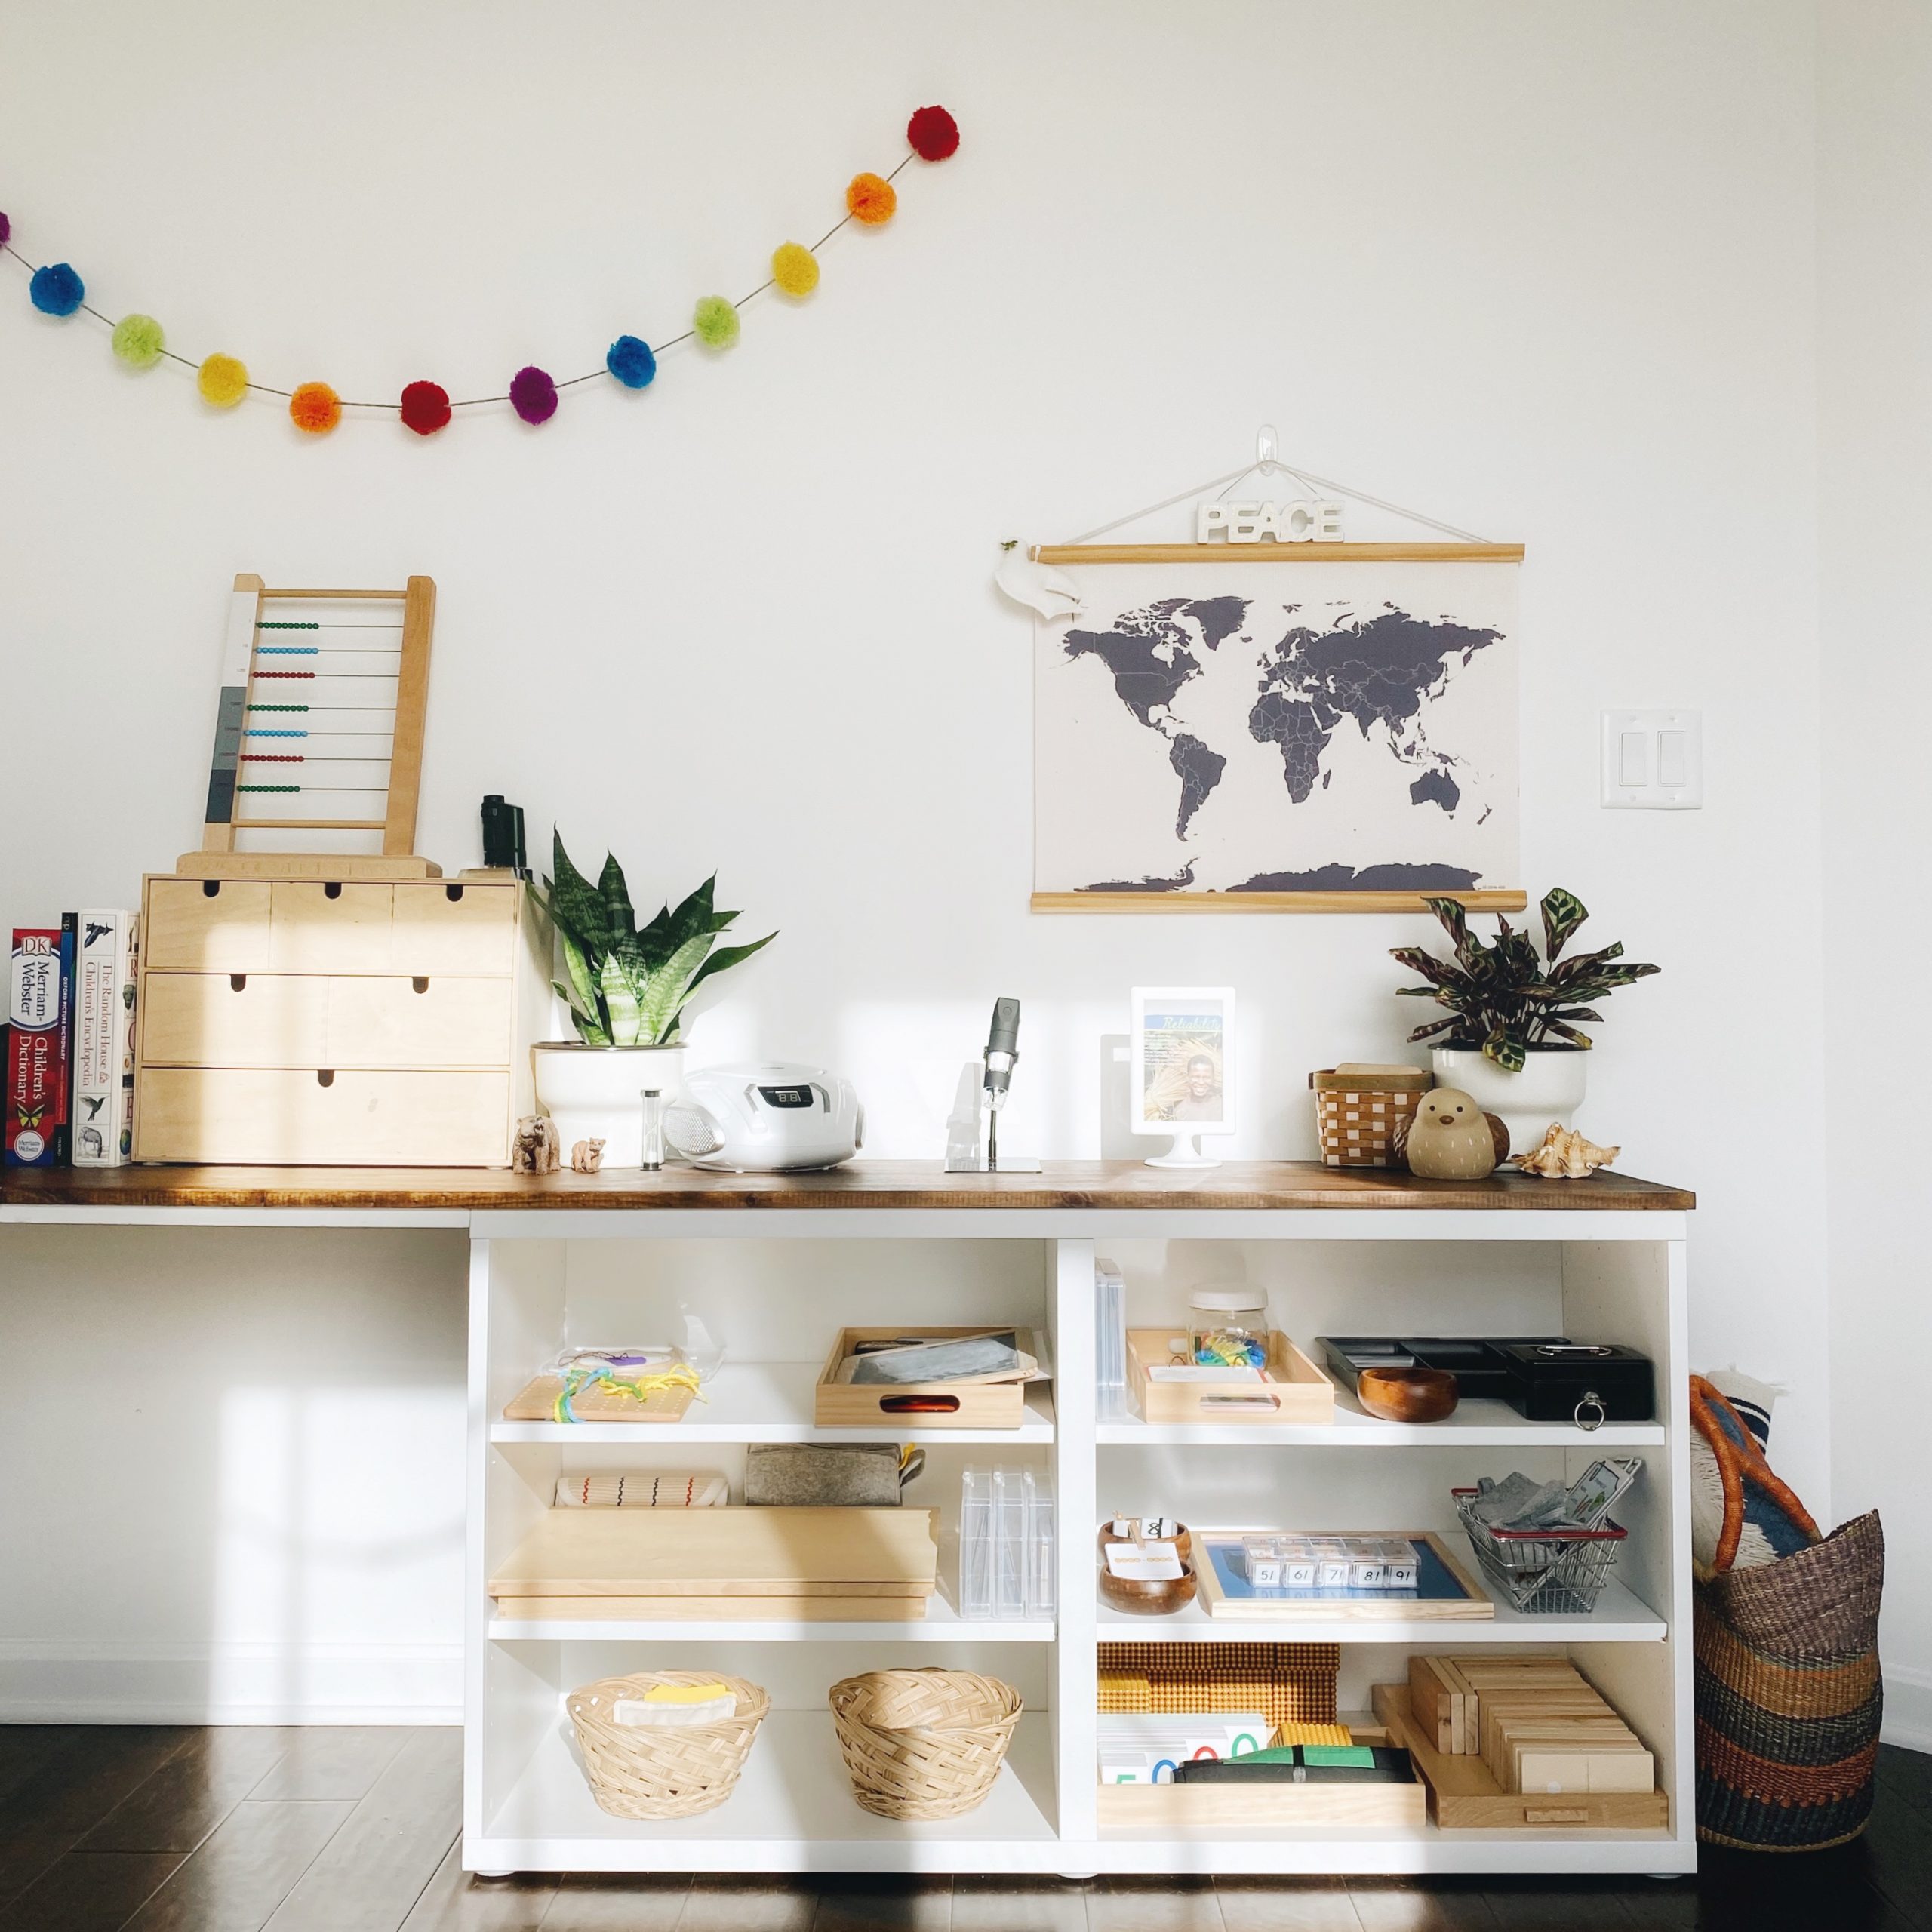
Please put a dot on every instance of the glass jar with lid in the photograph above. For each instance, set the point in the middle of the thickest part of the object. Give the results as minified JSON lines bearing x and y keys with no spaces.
{"x":1228,"y":1327}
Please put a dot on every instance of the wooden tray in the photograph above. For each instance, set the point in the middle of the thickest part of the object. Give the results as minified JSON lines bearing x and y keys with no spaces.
{"x":1473,"y":1605}
{"x":1301,"y":1392}
{"x":864,"y":1405}
{"x":1463,"y":1795}
{"x":718,"y":1609}
{"x":537,"y":1402}
{"x":686,"y":1553}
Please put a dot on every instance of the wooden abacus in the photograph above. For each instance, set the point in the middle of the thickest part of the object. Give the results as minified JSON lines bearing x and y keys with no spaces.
{"x":321,"y":726}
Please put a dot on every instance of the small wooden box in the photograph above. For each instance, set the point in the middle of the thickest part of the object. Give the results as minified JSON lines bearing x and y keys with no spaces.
{"x":1463,"y":1795}
{"x":337,"y":1022}
{"x":910,"y":1405}
{"x":1300,"y":1391}
{"x":1153,"y":1809}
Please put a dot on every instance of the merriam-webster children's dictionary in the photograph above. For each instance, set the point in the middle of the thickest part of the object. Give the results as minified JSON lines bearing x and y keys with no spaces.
{"x":40,"y":999}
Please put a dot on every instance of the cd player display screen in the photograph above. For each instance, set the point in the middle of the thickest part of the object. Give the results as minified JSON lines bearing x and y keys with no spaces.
{"x":786,"y":1096}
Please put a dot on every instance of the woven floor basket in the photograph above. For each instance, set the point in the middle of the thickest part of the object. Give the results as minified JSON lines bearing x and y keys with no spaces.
{"x":662,"y":1770}
{"x":923,"y":1743}
{"x":1788,"y":1698}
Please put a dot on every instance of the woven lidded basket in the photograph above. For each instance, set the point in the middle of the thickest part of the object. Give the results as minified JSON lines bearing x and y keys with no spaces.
{"x":1360,"y":1117}
{"x":662,"y":1770}
{"x":1788,"y":1696}
{"x":925,"y":1743}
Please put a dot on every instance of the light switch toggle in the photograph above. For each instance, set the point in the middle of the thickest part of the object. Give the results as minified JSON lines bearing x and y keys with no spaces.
{"x":1654,"y":761}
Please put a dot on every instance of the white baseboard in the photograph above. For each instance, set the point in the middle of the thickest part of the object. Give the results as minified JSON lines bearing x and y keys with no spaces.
{"x":1908,"y":1708}
{"x":46,"y":1682}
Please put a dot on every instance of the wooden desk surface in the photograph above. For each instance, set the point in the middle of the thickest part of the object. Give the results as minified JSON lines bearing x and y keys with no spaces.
{"x":1292,"y":1186}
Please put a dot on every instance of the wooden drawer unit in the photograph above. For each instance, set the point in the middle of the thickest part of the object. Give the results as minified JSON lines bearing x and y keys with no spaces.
{"x":273,"y":1116}
{"x":355,"y":1021}
{"x":306,"y":1020}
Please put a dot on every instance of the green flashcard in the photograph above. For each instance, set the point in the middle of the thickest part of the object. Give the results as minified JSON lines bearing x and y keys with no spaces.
{"x":1359,"y":1754}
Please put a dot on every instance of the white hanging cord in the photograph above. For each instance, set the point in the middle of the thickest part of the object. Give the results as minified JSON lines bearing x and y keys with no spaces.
{"x":1308,"y":480}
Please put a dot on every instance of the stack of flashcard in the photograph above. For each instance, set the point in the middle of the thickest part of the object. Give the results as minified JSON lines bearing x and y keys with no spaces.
{"x":1535,"y":1722}
{"x":1140,"y":1749}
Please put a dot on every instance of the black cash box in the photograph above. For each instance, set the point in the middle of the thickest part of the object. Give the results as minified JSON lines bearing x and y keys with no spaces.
{"x":1545,"y":1378}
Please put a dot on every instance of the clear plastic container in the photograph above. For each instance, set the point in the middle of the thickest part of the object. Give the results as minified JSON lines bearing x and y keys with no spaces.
{"x":1228,"y":1327}
{"x":1009,"y":1544}
{"x":1399,"y":1568}
{"x":1263,"y":1557}
{"x":1041,"y":1593}
{"x":976,"y":1544}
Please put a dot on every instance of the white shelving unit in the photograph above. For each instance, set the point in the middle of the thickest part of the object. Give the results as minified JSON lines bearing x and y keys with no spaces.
{"x":778,"y":1280}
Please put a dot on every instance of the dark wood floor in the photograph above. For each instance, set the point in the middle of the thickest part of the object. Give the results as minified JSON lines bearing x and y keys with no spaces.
{"x":328,"y":1830}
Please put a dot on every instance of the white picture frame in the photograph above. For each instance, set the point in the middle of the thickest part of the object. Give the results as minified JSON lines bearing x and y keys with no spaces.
{"x":1182,"y":1085}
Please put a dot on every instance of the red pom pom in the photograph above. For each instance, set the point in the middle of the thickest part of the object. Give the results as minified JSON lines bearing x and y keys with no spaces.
{"x":933,"y":134}
{"x":426,"y":408}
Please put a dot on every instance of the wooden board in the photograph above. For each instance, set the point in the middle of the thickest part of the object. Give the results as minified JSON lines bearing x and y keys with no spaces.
{"x":1513,"y":900}
{"x":851,"y":1552}
{"x":724,"y":1610}
{"x":1473,"y":1607}
{"x":979,"y":1404}
{"x":1154,"y":1808}
{"x":1278,"y":553}
{"x":537,"y":1402}
{"x":1071,"y":1186}
{"x":1301,"y":1392}
{"x":1463,"y":1796}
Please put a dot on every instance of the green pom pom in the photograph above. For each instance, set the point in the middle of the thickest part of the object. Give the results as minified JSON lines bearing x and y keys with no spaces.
{"x":714,"y":322}
{"x":138,"y":341}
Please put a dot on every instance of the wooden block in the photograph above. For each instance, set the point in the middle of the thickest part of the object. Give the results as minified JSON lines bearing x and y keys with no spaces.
{"x":848,"y":1553}
{"x":271,"y":1117}
{"x":1298,"y":1390}
{"x":723,"y":1610}
{"x":472,"y":934}
{"x":331,"y":926}
{"x":1578,"y":1740}
{"x":186,"y":930}
{"x":1436,"y":1701}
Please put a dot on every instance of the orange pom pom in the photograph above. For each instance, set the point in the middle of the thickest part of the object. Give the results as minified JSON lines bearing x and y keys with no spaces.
{"x":315,"y":409}
{"x":870,"y":199}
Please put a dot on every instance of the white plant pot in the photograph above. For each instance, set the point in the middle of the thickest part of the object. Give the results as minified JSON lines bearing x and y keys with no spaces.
{"x":596,"y":1092}
{"x":1550,"y":1087}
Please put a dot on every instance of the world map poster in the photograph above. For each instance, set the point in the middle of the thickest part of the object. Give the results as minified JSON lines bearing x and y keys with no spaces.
{"x":1232,"y":726}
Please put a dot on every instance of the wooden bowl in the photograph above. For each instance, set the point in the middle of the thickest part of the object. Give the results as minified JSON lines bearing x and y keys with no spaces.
{"x":1151,"y":1599}
{"x":1407,"y":1395}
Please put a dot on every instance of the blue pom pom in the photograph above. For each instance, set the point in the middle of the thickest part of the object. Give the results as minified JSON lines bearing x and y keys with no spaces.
{"x":56,"y":290}
{"x":631,"y":361}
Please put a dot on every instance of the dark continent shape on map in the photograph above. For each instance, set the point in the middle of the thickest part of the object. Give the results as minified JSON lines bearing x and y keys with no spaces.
{"x":1369,"y":878}
{"x":1301,"y":733}
{"x":1144,"y":681}
{"x":1199,"y":770}
{"x":1436,"y":788}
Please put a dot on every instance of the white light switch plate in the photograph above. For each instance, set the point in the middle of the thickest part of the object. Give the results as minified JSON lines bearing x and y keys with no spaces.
{"x":1654,"y":761}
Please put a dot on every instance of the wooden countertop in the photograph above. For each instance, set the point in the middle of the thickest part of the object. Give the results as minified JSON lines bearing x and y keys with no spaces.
{"x":1291,"y":1185}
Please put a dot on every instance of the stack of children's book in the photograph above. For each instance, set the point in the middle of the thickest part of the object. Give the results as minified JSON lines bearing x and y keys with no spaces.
{"x":69,"y":1055}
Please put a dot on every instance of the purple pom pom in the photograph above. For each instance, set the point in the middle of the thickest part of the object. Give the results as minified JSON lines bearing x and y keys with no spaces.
{"x":6,"y":230}
{"x":533,"y":395}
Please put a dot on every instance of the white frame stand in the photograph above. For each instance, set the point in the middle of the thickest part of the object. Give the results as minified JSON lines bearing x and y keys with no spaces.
{"x":1185,"y":1153}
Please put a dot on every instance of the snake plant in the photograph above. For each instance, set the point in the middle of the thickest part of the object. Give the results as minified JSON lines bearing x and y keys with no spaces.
{"x":1503,"y":999}
{"x":627,"y":984}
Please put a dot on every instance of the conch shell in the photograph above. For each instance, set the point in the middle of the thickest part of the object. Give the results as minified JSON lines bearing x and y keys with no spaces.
{"x":1565,"y":1155}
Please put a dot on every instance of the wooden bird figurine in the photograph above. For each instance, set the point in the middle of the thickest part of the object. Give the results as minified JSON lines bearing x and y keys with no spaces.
{"x":1452,"y":1139}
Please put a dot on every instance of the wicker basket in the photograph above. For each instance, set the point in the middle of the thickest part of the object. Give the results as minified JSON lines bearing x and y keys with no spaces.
{"x":662,"y":1770}
{"x":923,"y":1743}
{"x":1788,"y":1698}
{"x":1360,"y":1117}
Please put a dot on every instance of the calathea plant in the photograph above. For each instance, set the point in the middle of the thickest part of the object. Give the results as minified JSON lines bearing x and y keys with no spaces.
{"x":628,"y":983}
{"x":1503,"y":999}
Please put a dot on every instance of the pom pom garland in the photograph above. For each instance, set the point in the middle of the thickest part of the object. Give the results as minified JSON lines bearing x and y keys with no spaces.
{"x":222,"y":381}
{"x":870,"y":199}
{"x":56,"y":290}
{"x":426,"y":408}
{"x":315,"y":409}
{"x":629,"y":359}
{"x":794,"y":269}
{"x":714,"y":322}
{"x":932,"y":133}
{"x":533,"y":395}
{"x":138,"y":340}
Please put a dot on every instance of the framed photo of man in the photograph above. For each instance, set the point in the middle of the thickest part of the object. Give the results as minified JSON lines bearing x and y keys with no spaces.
{"x":1182,"y":1048}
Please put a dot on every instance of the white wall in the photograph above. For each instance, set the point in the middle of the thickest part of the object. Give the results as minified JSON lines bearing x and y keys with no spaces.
{"x":1547,"y":272}
{"x":1875,"y":503}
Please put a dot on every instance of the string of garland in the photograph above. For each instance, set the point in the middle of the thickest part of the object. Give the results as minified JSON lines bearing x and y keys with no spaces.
{"x":314,"y":408}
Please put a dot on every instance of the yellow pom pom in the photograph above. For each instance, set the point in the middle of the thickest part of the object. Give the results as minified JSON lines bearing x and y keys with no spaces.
{"x":794,"y":269}
{"x":138,"y":341}
{"x":222,"y":381}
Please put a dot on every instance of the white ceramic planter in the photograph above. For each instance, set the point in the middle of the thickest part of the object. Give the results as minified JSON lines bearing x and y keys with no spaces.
{"x":1549,"y":1088}
{"x":595,"y":1093}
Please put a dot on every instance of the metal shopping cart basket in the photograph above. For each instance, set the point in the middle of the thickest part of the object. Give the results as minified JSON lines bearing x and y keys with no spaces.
{"x":1544,"y":1573}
